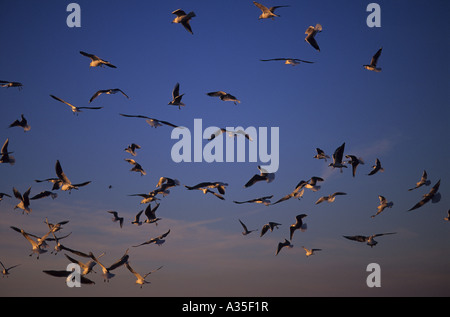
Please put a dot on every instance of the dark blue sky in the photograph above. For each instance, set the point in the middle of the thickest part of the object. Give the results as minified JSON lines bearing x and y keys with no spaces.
{"x":400,"y":115}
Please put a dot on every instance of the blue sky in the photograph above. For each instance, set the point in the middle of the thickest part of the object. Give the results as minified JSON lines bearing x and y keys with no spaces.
{"x":400,"y":116}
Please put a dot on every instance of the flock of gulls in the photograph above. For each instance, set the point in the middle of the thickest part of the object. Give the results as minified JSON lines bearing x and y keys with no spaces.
{"x":59,"y":181}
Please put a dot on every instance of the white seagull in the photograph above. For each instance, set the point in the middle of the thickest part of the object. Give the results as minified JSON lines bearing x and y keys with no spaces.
{"x":66,"y":184}
{"x":5,"y":157}
{"x":5,"y":271}
{"x":373,"y":62}
{"x":136,"y":167}
{"x":8,"y":84}
{"x":150,"y":213}
{"x":246,"y":231}
{"x":224,"y":96}
{"x":116,"y":217}
{"x":312,"y":183}
{"x":36,"y":246}
{"x":108,"y":92}
{"x":24,"y":203}
{"x":321,"y":155}
{"x":433,"y":195}
{"x":269,"y":226}
{"x":262,"y":200}
{"x":383,"y":205}
{"x":106,"y":271}
{"x":330,"y":198}
{"x":369,"y":239}
{"x":137,"y":219}
{"x":176,"y":97}
{"x":184,"y":19}
{"x":262,"y":176}
{"x":284,"y":244}
{"x":287,"y":61}
{"x":68,"y":275}
{"x":230,"y":134}
{"x":75,"y":109}
{"x":3,"y":195}
{"x":377,"y":167}
{"x":337,"y":158}
{"x":158,"y":240}
{"x":140,"y":280}
{"x":423,"y":181}
{"x":310,"y":252}
{"x":23,"y":123}
{"x":311,"y":32}
{"x":97,"y":61}
{"x":86,"y":267}
{"x":298,"y":225}
{"x":151,"y":121}
{"x":267,"y":12}
{"x":132,"y":148}
{"x":354,"y":162}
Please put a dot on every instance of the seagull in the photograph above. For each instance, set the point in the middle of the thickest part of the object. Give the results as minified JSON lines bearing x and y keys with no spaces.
{"x":67,"y":274}
{"x":337,"y":158}
{"x":137,"y":167}
{"x":5,"y":270}
{"x":312,"y":183}
{"x":448,"y":216}
{"x":287,"y":61}
{"x":147,"y":197}
{"x":3,"y":195}
{"x":373,"y":62}
{"x":150,"y":213}
{"x":65,"y":182}
{"x":383,"y":205}
{"x":224,"y":96}
{"x":36,"y":246}
{"x":310,"y":252}
{"x":58,"y":246}
{"x":262,"y":176}
{"x":369,"y":239}
{"x":8,"y":84}
{"x":97,"y":61}
{"x":23,"y":123}
{"x":246,"y":231}
{"x":329,"y":198}
{"x":433,"y":195}
{"x":116,"y":217}
{"x":268,"y":12}
{"x":297,"y":225}
{"x":24,"y":203}
{"x":263,"y":200}
{"x":176,"y":97}
{"x":158,"y":240}
{"x":184,"y":19}
{"x":5,"y":157}
{"x":132,"y":148}
{"x":108,"y":92}
{"x":423,"y":181}
{"x":321,"y":155}
{"x":165,"y":183}
{"x":354,"y":162}
{"x":281,"y":245}
{"x":56,"y":182}
{"x":296,"y":193}
{"x":204,"y":185}
{"x":137,"y":220}
{"x":44,"y":194}
{"x":377,"y":167}
{"x":311,"y":32}
{"x":269,"y":226}
{"x":86,"y":267}
{"x":75,"y":109}
{"x":140,"y":280}
{"x":230,"y":133}
{"x":151,"y":121}
{"x":106,"y":271}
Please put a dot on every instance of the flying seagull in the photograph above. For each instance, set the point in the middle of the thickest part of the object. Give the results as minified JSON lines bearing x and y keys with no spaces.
{"x":329,"y":198}
{"x":137,"y":219}
{"x":8,"y":84}
{"x":5,"y":157}
{"x":106,"y":271}
{"x":108,"y":92}
{"x":310,"y":252}
{"x":66,"y":184}
{"x":75,"y":109}
{"x":354,"y":162}
{"x":282,"y":245}
{"x":373,"y":62}
{"x":321,"y":155}
{"x":311,"y":32}
{"x":5,"y":271}
{"x":23,"y":123}
{"x":269,"y":226}
{"x":423,"y":181}
{"x":36,"y":246}
{"x":158,"y":240}
{"x":369,"y":239}
{"x":184,"y":19}
{"x":246,"y":231}
{"x":150,"y":213}
{"x":132,"y":148}
{"x":311,"y":183}
{"x":44,"y":194}
{"x":433,"y":195}
{"x":67,"y":275}
{"x":24,"y":203}
{"x":224,"y":96}
{"x":140,"y":280}
{"x":448,"y":216}
{"x":337,"y":158}
{"x":116,"y":217}
{"x":268,"y":12}
{"x":287,"y":61}
{"x":3,"y":195}
{"x":86,"y":267}
{"x":230,"y":133}
{"x":262,"y":200}
{"x":151,"y":121}
{"x":298,"y":225}
{"x":136,"y":166}
{"x":205,"y":190}
{"x":204,"y":185}
{"x":377,"y":167}
{"x":176,"y":97}
{"x":296,"y":193}
{"x":97,"y":61}
{"x":262,"y":176}
{"x":382,"y":206}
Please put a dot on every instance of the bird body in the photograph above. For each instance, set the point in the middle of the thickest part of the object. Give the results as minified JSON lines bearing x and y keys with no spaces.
{"x":373,"y":62}
{"x":330,"y":198}
{"x":23,"y":123}
{"x":287,"y":61}
{"x":423,"y":181}
{"x":354,"y":162}
{"x":107,"y":92}
{"x":310,"y":252}
{"x":368,"y":239}
{"x":376,"y":168}
{"x":311,"y":32}
{"x":267,"y":13}
{"x":383,"y":205}
{"x":97,"y":61}
{"x":75,"y":109}
{"x":337,"y":158}
{"x":183,"y":19}
{"x":224,"y":96}
{"x":246,"y":231}
{"x":298,"y":225}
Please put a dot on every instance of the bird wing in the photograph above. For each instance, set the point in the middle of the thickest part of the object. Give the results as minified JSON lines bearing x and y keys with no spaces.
{"x":321,"y":199}
{"x":187,"y":26}
{"x":120,"y":262}
{"x":92,"y":108}
{"x":272,"y":9}
{"x":375,"y":57}
{"x":17,"y":194}
{"x":243,"y":225}
{"x":179,"y":12}
{"x":176,"y":91}
{"x":134,"y":116}
{"x":216,"y":93}
{"x":98,"y":93}
{"x":382,"y":234}
{"x":81,"y":184}
{"x":65,"y":102}
{"x":91,"y":56}
{"x":254,"y":179}
{"x":261,"y":7}
{"x":358,"y":238}
{"x":59,"y":172}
